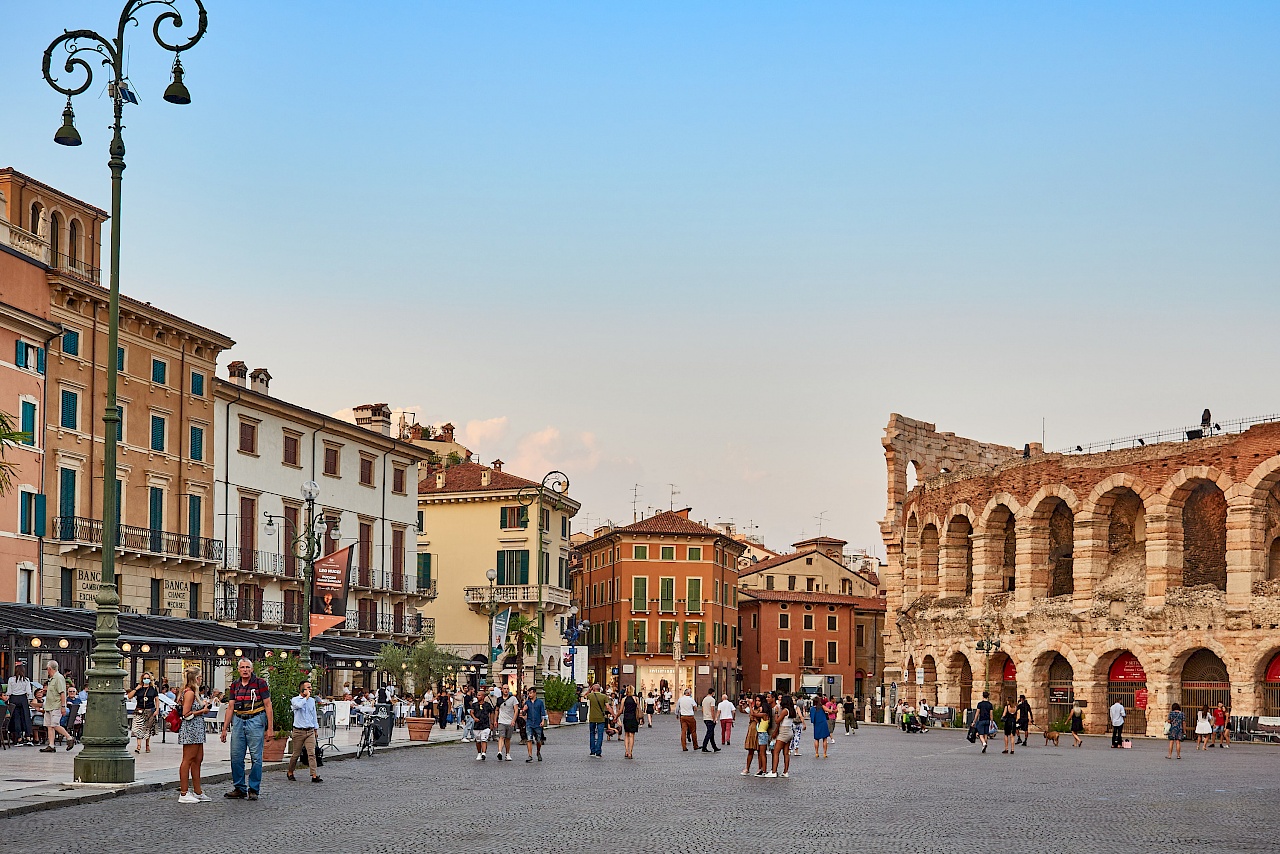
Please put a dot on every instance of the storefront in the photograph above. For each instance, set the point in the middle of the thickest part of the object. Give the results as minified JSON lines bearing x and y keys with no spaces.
{"x":1127,"y":685}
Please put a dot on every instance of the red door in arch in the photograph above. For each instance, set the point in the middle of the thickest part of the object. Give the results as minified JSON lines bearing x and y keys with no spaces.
{"x":1271,"y":687}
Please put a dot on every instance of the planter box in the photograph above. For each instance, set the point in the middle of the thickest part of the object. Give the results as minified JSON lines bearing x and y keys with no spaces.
{"x":273,"y":749}
{"x":555,"y":718}
{"x":420,"y":728}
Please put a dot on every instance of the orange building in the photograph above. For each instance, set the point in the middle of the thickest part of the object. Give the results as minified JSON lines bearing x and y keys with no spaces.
{"x":661,"y":596}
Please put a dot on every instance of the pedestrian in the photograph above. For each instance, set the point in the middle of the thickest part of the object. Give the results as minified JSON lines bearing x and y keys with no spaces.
{"x":630,"y":721}
{"x":982,"y":721}
{"x":481,"y":719}
{"x":508,"y":706}
{"x":1009,"y":717}
{"x":55,"y":706}
{"x":1204,"y":728}
{"x":850,"y":710}
{"x":464,"y":710}
{"x":191,"y":736}
{"x":1025,"y":718}
{"x":442,"y":713}
{"x":757,"y":739}
{"x":728,"y":711}
{"x":710,"y":714}
{"x":650,"y":701}
{"x":598,"y":714}
{"x":146,"y":696}
{"x":305,"y":726}
{"x":1173,"y":728}
{"x":1077,"y":724}
{"x":1117,"y":714}
{"x":1221,"y":733}
{"x":784,"y":730}
{"x":821,"y":727}
{"x":534,"y":711}
{"x":21,"y":693}
{"x":923,"y":718}
{"x":248,"y":721}
{"x":686,"y":708}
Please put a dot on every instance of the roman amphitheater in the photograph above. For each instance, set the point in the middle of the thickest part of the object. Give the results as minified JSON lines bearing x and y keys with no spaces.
{"x":1149,"y":573}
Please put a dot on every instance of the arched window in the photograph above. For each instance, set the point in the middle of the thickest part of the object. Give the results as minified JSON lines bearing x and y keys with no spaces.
{"x":1204,"y":537}
{"x":55,"y":236}
{"x":73,"y":241}
{"x":929,"y":559}
{"x":35,"y":217}
{"x":1061,"y":550}
{"x":1204,"y":682}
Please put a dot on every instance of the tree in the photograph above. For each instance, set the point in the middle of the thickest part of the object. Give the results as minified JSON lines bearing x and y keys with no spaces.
{"x":417,"y":667}
{"x":523,"y":635}
{"x":8,"y":436}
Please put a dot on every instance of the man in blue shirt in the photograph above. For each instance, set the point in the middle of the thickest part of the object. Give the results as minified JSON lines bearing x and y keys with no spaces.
{"x":305,"y":726}
{"x":535,"y":715}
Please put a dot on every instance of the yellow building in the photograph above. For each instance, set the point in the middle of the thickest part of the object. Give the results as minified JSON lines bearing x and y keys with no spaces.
{"x":473,"y":520}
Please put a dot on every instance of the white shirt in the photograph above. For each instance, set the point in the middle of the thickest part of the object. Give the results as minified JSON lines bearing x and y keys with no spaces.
{"x":726,"y":710}
{"x":709,"y":708}
{"x":507,"y":711}
{"x":685,"y":706}
{"x":1117,"y":714}
{"x":21,"y":686}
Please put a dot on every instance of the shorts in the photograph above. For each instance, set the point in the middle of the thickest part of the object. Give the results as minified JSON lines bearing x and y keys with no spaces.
{"x":1219,"y":730}
{"x":537,"y":735}
{"x":504,"y":731}
{"x":762,"y":739}
{"x":481,"y":734}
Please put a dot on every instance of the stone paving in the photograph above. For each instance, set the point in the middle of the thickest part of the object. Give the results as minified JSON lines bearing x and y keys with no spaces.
{"x":881,"y":790}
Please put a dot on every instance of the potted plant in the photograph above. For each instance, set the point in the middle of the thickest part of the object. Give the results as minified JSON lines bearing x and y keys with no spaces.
{"x":560,"y":695}
{"x":420,"y":666}
{"x":284,"y":675}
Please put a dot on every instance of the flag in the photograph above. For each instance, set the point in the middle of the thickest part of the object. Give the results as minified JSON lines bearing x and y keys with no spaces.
{"x":329,"y":584}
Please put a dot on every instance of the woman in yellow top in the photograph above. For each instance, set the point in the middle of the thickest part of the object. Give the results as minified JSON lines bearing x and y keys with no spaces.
{"x":756,"y":741}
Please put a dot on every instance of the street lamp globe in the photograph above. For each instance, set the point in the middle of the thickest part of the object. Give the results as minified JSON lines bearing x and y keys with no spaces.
{"x":573,"y":610}
{"x":310,"y":490}
{"x":491,"y":574}
{"x":271,"y":528}
{"x":334,"y":533}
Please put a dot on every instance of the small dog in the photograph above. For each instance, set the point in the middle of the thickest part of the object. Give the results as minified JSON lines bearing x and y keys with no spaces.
{"x":1050,"y":736}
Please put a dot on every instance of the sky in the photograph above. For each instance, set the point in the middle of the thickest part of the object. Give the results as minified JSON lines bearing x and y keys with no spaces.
{"x":712,"y":245}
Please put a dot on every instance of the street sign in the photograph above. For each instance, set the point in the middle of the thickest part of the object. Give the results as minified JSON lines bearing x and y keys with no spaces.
{"x":831,"y":680}
{"x":1140,"y":699}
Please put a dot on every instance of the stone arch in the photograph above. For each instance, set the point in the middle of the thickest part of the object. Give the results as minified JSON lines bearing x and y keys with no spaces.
{"x":55,"y":236}
{"x":1113,"y":534}
{"x":930,"y":667}
{"x":1098,"y":504}
{"x":1259,"y":485}
{"x":959,"y":679}
{"x":929,"y":545}
{"x":957,"y":552}
{"x":1267,"y":695}
{"x":909,"y":688}
{"x":1204,"y":679}
{"x":1049,"y":519}
{"x":1134,"y":695}
{"x":75,"y":233}
{"x":1167,"y":541}
{"x":996,"y":540}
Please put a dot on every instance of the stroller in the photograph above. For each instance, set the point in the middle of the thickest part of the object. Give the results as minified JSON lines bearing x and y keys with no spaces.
{"x":911,"y":721}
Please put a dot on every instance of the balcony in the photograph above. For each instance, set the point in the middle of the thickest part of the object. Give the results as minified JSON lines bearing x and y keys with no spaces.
{"x":252,"y":560}
{"x":83,"y":531}
{"x":810,"y":661}
{"x":258,"y":611}
{"x":635,"y":647}
{"x":519,"y":595}
{"x":390,"y":624}
{"x":382,"y":579}
{"x":76,"y":268}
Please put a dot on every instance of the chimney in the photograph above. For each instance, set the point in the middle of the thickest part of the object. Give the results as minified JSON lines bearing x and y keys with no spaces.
{"x":446,"y":433}
{"x":260,"y":379}
{"x":375,"y":417}
{"x":485,"y":477}
{"x":239,"y":373}
{"x":497,"y":465}
{"x":439,"y":480}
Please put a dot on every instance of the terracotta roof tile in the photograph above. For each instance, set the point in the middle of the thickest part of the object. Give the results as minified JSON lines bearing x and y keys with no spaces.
{"x":466,"y":477}
{"x":669,"y":522}
{"x":866,"y":603}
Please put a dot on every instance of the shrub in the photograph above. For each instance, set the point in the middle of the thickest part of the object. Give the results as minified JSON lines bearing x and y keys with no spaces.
{"x":559,"y":694}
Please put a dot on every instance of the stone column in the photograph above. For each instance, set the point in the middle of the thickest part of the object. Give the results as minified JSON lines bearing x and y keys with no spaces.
{"x":988,"y":559}
{"x":1090,"y":560}
{"x":951,"y":568}
{"x":1032,"y":567}
{"x":1164,"y":555}
{"x":1246,"y":553}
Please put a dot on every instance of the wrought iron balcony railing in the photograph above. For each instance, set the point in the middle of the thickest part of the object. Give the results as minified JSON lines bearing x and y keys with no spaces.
{"x":78,"y":529}
{"x":253,"y":560}
{"x":518,"y":594}
{"x":258,"y":611}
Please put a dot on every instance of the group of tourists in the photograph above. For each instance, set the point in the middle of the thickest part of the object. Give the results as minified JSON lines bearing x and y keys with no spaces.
{"x":496,"y":715}
{"x":42,"y":713}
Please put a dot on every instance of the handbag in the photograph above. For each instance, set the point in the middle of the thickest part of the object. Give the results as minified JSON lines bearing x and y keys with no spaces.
{"x":1168,"y":727}
{"x":173,"y":720}
{"x":973,"y":734}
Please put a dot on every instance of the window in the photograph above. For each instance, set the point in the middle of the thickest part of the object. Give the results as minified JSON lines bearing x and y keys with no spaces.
{"x":564,"y":527}
{"x":639,"y":593}
{"x":291,"y":444}
{"x":831,"y":622}
{"x":753,"y":621}
{"x":67,"y":587}
{"x":808,"y":561}
{"x":768,"y":582}
{"x":157,"y":432}
{"x":120,"y":360}
{"x":831,"y":652}
{"x":197,"y":384}
{"x":28,"y":423}
{"x":29,"y":356}
{"x":197,"y":443}
{"x":397,"y":557}
{"x":159,"y":371}
{"x":784,"y":650}
{"x":364,"y":537}
{"x":71,"y":342}
{"x":366,"y":470}
{"x":397,"y":480}
{"x":666,"y":593}
{"x":331,"y":461}
{"x":667,"y":553}
{"x":808,"y":622}
{"x":248,"y":437}
{"x":640,"y":552}
{"x":195,"y":513}
{"x":784,"y":621}
{"x":31,"y":513}
{"x":693,"y":604}
{"x":514,"y":517}
{"x":70,"y":410}
{"x":424,"y":570}
{"x":120,"y":431}
{"x":695,"y":553}
{"x":513,"y":566}
{"x":193,"y":600}
{"x":791,"y":582}
{"x":859,"y":636}
{"x":808,"y":584}
{"x":544,"y":515}
{"x":564,"y":573}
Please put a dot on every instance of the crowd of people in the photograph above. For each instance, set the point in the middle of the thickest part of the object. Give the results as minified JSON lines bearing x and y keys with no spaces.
{"x":42,"y":714}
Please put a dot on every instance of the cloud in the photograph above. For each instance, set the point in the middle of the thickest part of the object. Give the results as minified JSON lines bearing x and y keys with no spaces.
{"x":476,"y":434}
{"x":547,"y":450}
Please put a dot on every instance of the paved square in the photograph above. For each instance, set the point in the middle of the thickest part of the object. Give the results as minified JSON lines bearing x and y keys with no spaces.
{"x":881,"y":790}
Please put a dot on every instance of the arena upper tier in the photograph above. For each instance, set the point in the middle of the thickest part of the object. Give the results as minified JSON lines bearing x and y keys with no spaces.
{"x":1149,"y":575}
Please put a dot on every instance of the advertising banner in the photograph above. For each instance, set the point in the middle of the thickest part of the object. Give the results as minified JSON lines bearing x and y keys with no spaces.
{"x":329,"y":590}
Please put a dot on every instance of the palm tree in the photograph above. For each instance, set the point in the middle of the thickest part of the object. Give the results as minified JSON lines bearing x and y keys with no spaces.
{"x":523,"y":634}
{"x":8,"y":436}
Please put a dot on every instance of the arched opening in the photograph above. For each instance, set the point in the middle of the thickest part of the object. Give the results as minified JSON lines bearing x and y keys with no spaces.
{"x":1204,"y":682}
{"x":859,"y":683}
{"x":958,"y":548}
{"x":1006,"y":558}
{"x":1273,"y":561}
{"x":55,"y":237}
{"x":930,"y":688}
{"x":911,"y":558}
{"x":1204,"y":537}
{"x":1127,"y":685}
{"x":964,"y":677}
{"x":34,"y":224}
{"x":1061,"y":550}
{"x":1061,"y":689}
{"x":909,"y":689}
{"x":913,"y":475}
{"x":73,"y":242}
{"x":1271,"y":688}
{"x":929,"y":559}
{"x":1005,"y":684}
{"x":1273,"y":532}
{"x":1126,"y":543}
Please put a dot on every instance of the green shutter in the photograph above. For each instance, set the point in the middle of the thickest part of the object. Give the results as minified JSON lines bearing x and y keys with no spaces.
{"x":524,"y":566}
{"x":193,"y":516}
{"x":67,"y":492}
{"x":24,"y":513}
{"x":502,"y":567}
{"x":20,"y":355}
{"x":40,"y":360}
{"x":71,"y":342}
{"x":120,"y":359}
{"x":69,"y":401}
{"x":40,"y":515}
{"x":155,"y":512}
{"x":424,"y":570}
{"x":157,"y":433}
{"x":197,"y":444}
{"x":28,"y":425}
{"x":158,"y":371}
{"x":197,"y":384}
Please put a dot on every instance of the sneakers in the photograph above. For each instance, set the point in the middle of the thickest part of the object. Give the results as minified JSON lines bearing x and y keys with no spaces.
{"x":479,"y":757}
{"x":188,"y":798}
{"x":771,"y":774}
{"x":203,"y":798}
{"x":316,"y":780}
{"x":539,"y":757}
{"x":499,"y":755}
{"x":484,"y":757}
{"x":745,"y":773}
{"x":530,"y":759}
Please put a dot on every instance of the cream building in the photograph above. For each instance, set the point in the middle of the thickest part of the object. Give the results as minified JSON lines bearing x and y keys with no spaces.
{"x":473,"y":520}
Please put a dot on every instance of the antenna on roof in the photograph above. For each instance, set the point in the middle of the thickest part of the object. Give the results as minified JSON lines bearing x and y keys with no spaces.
{"x":821,"y":517}
{"x":671,"y":505}
{"x":635,"y":500}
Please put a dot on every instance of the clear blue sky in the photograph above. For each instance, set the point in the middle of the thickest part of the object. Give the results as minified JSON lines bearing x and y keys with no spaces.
{"x":709,"y":244}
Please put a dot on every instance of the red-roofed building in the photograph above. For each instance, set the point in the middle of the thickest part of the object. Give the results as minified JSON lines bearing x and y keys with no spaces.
{"x":661,"y":596}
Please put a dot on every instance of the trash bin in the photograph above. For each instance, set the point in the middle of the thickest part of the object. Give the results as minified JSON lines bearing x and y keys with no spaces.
{"x":386,"y":720}
{"x":969,"y":715}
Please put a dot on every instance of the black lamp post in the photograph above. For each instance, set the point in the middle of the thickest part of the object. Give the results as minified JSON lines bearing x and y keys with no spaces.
{"x":306,"y":545}
{"x":987,"y":645}
{"x":573,"y":629}
{"x":492,"y":575}
{"x":554,"y":484}
{"x":105,"y":757}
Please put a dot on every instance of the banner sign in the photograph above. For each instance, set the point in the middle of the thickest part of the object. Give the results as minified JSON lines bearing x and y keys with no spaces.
{"x":1140,"y":699}
{"x":1127,"y":668}
{"x":500,"y":623}
{"x":329,"y":585}
{"x":1010,"y":671}
{"x":1273,"y":670}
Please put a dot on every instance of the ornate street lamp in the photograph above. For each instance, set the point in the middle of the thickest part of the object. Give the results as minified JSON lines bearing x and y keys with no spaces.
{"x":306,"y":545}
{"x":572,"y":631}
{"x":492,"y":575}
{"x":554,"y":485}
{"x":987,"y":645}
{"x":105,"y":757}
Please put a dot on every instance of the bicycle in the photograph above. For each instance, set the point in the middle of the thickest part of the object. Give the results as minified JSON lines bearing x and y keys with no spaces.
{"x":368,"y":736}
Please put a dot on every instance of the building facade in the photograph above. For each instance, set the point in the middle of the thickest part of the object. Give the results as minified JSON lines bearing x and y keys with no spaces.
{"x":366,"y":480}
{"x":1148,"y":575}
{"x":475,"y":518}
{"x":810,"y":623}
{"x":661,"y":597}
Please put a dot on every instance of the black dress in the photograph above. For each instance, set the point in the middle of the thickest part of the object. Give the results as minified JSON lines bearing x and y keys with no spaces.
{"x":630,"y":714}
{"x":1010,"y":723}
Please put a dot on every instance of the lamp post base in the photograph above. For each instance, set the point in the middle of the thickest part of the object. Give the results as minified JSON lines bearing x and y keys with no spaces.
{"x":103,"y":769}
{"x":105,"y":757}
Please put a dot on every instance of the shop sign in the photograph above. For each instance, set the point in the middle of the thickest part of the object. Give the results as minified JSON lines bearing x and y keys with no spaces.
{"x":1127,"y":668}
{"x":1010,"y":671}
{"x":1060,"y":696}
